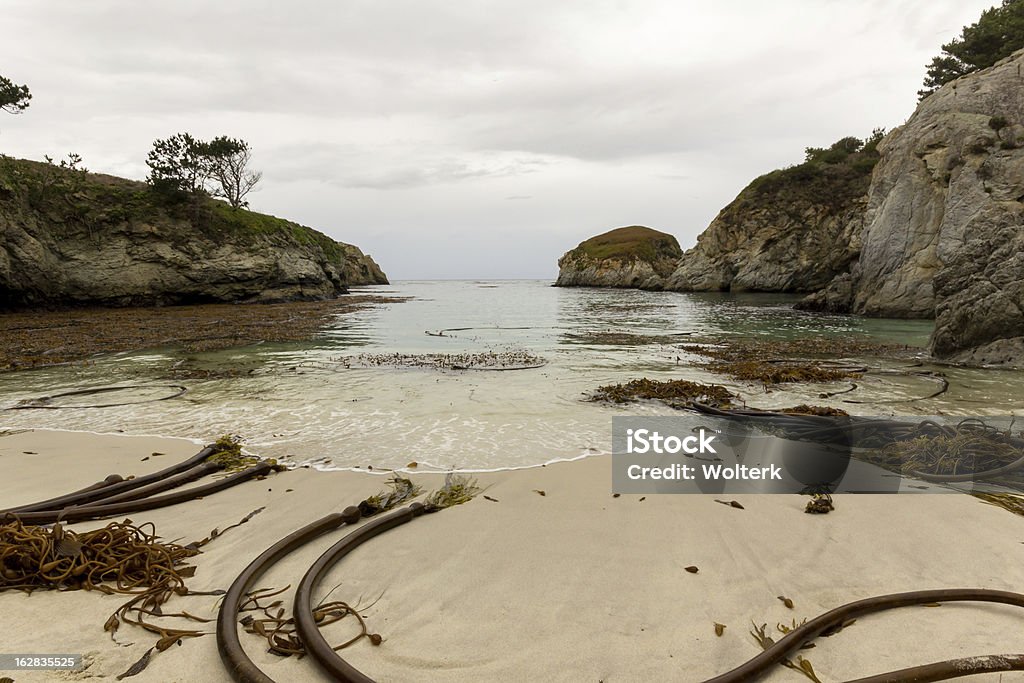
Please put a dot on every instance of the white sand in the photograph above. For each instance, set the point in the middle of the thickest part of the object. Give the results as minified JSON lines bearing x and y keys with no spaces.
{"x":572,"y":586}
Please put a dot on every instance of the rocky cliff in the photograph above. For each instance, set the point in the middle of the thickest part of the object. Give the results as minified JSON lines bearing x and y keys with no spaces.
{"x":68,"y":237}
{"x":630,"y":257}
{"x":792,"y":230}
{"x":927,"y":223}
{"x":360,"y":268}
{"x":944,"y":227}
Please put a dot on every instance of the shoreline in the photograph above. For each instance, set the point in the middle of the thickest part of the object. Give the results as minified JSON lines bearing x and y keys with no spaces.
{"x":570,"y":585}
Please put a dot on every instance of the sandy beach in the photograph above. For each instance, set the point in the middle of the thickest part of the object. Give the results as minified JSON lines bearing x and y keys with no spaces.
{"x":574,"y":585}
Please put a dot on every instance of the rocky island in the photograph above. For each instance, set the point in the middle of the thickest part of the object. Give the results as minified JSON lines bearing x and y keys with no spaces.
{"x":630,"y":257}
{"x":72,"y":238}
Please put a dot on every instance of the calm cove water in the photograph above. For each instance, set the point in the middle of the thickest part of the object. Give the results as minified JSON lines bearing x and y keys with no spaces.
{"x":300,"y":402}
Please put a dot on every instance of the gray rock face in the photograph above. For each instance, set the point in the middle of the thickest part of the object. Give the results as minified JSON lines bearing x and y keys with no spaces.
{"x":944,"y":227}
{"x":939,"y":232}
{"x":792,"y":230}
{"x":772,"y":249}
{"x":92,"y":254}
{"x":360,"y":268}
{"x":980,"y":291}
{"x":634,"y":257}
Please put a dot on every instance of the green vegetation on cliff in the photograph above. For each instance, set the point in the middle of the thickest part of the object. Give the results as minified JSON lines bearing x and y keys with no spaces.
{"x":831,"y":176}
{"x":997,"y":34}
{"x":633,"y":242}
{"x":71,"y":198}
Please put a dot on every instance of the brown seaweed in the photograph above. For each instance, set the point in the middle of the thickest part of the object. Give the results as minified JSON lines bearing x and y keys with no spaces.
{"x":279,"y":629}
{"x":39,"y":338}
{"x":669,"y":391}
{"x":820,"y":504}
{"x":783,"y":373}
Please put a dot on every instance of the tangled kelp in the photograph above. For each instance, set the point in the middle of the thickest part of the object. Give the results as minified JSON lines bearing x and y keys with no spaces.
{"x":1007,"y":501}
{"x":783,"y":372}
{"x":120,"y":558}
{"x":971,"y":450}
{"x":765,"y":350}
{"x":487,"y":360}
{"x":779,"y":361}
{"x":670,"y":391}
{"x":128,"y":556}
{"x":279,"y":630}
{"x":820,"y":411}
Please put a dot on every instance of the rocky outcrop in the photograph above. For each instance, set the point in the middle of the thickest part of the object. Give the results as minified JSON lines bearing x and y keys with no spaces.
{"x":72,"y":238}
{"x":944,"y":227}
{"x":631,"y":257}
{"x":360,"y":268}
{"x":792,"y":230}
{"x":934,"y":229}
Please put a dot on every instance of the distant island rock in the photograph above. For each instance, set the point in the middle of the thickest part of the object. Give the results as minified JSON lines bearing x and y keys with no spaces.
{"x":630,"y":257}
{"x":69,"y":238}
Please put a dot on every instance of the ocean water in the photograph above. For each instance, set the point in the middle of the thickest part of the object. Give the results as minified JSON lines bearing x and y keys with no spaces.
{"x":313,"y":403}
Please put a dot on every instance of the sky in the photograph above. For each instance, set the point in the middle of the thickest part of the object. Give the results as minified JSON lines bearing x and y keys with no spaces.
{"x":474,"y":139}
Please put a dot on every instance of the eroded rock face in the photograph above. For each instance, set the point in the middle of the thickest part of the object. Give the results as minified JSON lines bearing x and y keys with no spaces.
{"x":633,"y":257}
{"x":772,"y":248}
{"x":938,"y":233}
{"x":360,"y":268}
{"x":980,"y":291}
{"x":99,"y":241}
{"x":944,"y":222}
{"x":791,"y":230}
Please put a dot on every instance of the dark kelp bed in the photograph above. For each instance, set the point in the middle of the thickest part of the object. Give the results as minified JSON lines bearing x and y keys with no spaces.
{"x":31,"y":339}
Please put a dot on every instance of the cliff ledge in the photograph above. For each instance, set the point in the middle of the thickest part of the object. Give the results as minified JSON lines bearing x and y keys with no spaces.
{"x":68,"y":238}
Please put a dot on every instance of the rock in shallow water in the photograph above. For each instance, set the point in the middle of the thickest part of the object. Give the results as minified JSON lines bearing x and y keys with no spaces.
{"x":632,"y":257}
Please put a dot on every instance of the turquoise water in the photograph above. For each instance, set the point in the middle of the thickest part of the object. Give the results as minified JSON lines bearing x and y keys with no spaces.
{"x":313,"y":403}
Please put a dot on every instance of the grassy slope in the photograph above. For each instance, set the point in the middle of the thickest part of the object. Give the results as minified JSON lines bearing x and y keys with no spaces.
{"x":631,"y":242}
{"x":74,"y":200}
{"x":812,"y":182}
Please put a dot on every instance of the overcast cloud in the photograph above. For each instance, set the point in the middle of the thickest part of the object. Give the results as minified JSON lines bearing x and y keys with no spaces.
{"x":473,"y":139}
